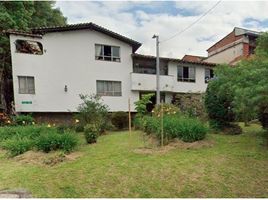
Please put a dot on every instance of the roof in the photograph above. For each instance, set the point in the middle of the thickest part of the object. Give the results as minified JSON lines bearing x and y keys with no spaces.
{"x":243,"y":31}
{"x":42,"y":30}
{"x":23,"y":33}
{"x":193,"y":58}
{"x":174,"y":60}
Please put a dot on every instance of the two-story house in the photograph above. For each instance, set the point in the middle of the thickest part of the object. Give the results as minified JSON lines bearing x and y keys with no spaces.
{"x":235,"y":46}
{"x":53,"y":65}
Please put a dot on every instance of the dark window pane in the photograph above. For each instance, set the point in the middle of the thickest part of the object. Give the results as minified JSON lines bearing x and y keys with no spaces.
{"x":107,"y":51}
{"x":180,"y":69}
{"x":185,"y":72}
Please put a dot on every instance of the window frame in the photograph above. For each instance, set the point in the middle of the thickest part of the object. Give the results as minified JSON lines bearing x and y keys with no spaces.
{"x":39,"y":54}
{"x":112,"y":57}
{"x":113,"y":92}
{"x":27,"y":89}
{"x":182,"y":79}
{"x":209,"y":78}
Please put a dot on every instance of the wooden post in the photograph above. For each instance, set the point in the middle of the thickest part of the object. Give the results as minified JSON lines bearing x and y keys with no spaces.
{"x":162,"y":125}
{"x":129,"y":116}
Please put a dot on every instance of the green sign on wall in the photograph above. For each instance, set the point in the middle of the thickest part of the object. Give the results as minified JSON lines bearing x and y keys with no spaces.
{"x":26,"y":102}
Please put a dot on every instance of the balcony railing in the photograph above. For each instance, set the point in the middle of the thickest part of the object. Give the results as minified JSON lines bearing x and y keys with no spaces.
{"x":147,"y":82}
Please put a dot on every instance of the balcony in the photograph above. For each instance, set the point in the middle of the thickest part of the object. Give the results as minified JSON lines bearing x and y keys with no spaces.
{"x":147,"y":82}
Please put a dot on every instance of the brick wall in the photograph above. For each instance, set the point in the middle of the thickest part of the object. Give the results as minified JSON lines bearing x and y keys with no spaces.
{"x":226,"y":40}
{"x":245,"y":49}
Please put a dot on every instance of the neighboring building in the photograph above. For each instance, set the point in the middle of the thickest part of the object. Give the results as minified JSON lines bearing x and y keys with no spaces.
{"x":237,"y":45}
{"x":52,"y":66}
{"x":193,"y":58}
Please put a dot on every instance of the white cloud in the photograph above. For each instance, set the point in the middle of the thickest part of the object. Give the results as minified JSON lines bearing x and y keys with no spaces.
{"x":129,"y":19}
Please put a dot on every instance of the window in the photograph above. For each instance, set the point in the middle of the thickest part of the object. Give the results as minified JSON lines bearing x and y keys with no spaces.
{"x":109,"y":53}
{"x":26,"y":85}
{"x":148,"y":66}
{"x":208,"y":74}
{"x":109,"y":88}
{"x":30,"y":47}
{"x":186,"y":74}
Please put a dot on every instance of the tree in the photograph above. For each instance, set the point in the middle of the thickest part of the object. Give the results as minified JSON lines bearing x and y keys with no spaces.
{"x":22,"y":15}
{"x":219,"y":97}
{"x":247,"y":83}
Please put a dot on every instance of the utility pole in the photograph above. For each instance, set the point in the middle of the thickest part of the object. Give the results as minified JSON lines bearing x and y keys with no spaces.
{"x":157,"y":70}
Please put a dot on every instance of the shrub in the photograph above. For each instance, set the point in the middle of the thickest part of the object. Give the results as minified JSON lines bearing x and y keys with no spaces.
{"x":93,"y":111}
{"x":30,"y":132}
{"x":232,"y":129}
{"x":174,"y":126}
{"x":16,"y":146}
{"x":23,"y":120}
{"x":218,"y":103}
{"x":67,"y":142}
{"x":51,"y":141}
{"x":120,"y":119}
{"x":91,"y":133}
{"x":48,"y":142}
{"x":62,"y":128}
{"x":79,"y":128}
{"x":168,"y":109}
{"x":141,"y":105}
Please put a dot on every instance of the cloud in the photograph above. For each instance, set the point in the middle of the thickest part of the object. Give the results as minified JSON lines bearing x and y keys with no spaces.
{"x":139,"y":20}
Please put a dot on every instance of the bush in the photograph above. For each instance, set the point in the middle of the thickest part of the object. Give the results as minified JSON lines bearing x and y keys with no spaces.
{"x":218,"y":103}
{"x":16,"y":146}
{"x":62,"y":128}
{"x":48,"y":142}
{"x":67,"y":142}
{"x":93,"y":111}
{"x":91,"y":133}
{"x":174,"y":126}
{"x":168,"y":109}
{"x":23,"y":120}
{"x":79,"y":128}
{"x":120,"y":119}
{"x":232,"y":129}
{"x":51,"y":141}
{"x":30,"y":132}
{"x":19,"y":139}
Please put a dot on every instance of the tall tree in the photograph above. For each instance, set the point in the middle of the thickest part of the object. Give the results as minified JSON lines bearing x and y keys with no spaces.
{"x":23,"y":15}
{"x":248,"y":84}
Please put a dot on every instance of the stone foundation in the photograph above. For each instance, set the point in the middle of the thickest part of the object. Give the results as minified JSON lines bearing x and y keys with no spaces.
{"x":53,"y":118}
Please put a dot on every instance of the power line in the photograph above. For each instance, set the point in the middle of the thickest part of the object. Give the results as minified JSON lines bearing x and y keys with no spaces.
{"x":175,"y":35}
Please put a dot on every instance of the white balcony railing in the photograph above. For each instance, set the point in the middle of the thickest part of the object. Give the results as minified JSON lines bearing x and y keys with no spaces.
{"x":147,"y":82}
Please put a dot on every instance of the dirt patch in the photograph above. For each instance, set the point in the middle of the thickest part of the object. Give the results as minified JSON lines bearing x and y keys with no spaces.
{"x":46,"y":159}
{"x":175,"y":144}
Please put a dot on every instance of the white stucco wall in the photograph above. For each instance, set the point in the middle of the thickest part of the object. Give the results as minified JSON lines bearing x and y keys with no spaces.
{"x":199,"y":86}
{"x":226,"y":55}
{"x":69,"y":59}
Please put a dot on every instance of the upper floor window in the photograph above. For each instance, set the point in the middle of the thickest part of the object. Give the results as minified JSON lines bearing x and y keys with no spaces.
{"x":26,"y":85}
{"x":209,"y":74}
{"x":186,"y":74}
{"x":109,"y":88}
{"x":105,"y":52}
{"x":30,"y":47}
{"x":148,"y":66}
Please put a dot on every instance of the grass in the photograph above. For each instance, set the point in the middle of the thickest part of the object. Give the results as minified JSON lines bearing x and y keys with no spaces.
{"x":235,"y":166}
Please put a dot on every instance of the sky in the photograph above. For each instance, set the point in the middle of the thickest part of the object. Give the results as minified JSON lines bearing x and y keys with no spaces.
{"x":140,"y":20}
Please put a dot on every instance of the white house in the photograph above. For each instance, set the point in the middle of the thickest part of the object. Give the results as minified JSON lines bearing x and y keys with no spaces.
{"x":53,"y":65}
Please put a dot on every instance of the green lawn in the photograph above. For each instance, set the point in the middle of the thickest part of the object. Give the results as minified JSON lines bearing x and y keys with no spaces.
{"x":235,"y":166}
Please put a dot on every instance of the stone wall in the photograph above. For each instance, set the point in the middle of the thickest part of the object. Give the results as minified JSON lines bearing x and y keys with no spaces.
{"x":192,"y":103}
